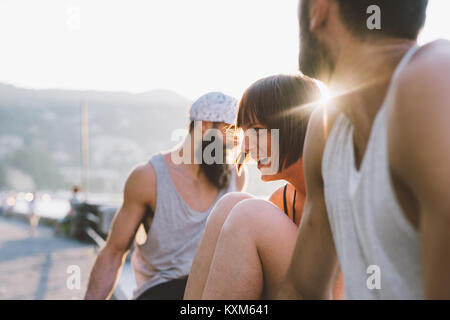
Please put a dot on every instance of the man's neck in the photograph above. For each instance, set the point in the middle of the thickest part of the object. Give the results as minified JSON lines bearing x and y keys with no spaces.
{"x":361,"y":79}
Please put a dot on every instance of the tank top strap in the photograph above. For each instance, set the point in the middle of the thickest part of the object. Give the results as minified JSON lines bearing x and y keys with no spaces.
{"x":158,"y":163}
{"x":166,"y":192}
{"x":161,"y":171}
{"x":398,"y":70}
{"x":404,"y":62}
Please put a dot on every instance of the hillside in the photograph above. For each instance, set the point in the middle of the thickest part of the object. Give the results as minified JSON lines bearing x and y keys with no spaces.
{"x":40,"y":134}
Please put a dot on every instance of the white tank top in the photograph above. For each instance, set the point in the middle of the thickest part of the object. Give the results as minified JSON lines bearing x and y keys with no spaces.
{"x":367,"y":222}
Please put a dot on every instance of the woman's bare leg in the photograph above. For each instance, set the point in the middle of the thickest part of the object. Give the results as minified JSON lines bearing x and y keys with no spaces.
{"x":204,"y":255}
{"x":252,"y":254}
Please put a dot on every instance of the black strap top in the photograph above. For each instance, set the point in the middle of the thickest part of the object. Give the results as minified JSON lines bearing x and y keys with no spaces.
{"x":285,"y":202}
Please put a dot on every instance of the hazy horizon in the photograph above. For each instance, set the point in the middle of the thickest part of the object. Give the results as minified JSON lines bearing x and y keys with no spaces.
{"x":118,"y":46}
{"x":153,"y":90}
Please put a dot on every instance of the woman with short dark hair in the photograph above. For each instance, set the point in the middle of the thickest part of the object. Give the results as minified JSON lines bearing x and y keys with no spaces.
{"x":248,"y":243}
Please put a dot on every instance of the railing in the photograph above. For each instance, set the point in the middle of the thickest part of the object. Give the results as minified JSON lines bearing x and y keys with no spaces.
{"x":92,"y":223}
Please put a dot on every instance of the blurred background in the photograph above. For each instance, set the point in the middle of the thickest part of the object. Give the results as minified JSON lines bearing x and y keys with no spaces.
{"x":135,"y":66}
{"x":91,"y":88}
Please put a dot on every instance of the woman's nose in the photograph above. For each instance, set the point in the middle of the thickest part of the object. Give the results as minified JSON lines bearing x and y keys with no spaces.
{"x":251,"y":148}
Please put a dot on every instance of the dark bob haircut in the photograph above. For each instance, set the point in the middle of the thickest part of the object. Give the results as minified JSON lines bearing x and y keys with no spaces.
{"x":283,"y":102}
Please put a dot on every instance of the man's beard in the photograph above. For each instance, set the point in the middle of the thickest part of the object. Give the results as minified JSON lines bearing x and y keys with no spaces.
{"x":315,"y":59}
{"x":218,"y":174}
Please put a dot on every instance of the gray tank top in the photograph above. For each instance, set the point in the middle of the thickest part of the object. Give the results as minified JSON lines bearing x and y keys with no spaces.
{"x":174,"y":234}
{"x":367,"y":222}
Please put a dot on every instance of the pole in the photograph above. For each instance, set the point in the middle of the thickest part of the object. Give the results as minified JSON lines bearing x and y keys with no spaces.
{"x":84,"y":149}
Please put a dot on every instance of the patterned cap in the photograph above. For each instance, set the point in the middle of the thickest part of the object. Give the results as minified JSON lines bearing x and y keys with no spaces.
{"x":214,"y":107}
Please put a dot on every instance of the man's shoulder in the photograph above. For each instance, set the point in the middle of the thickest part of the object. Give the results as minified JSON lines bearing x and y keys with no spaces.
{"x":422,"y":88}
{"x":143,"y":171}
{"x":432,"y":50}
{"x":427,"y":68}
{"x":418,"y":115}
{"x":320,"y":125}
{"x":142,"y":179}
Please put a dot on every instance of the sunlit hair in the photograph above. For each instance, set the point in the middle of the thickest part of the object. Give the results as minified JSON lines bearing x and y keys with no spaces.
{"x":282,"y":102}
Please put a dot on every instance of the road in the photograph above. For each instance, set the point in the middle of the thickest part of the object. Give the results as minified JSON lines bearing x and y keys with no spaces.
{"x":36,"y":268}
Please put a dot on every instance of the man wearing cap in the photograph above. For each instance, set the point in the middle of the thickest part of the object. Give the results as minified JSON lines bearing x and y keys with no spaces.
{"x":171,"y":199}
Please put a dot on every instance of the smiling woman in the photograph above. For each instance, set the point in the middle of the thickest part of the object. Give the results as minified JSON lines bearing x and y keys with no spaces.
{"x":246,"y":247}
{"x":281,"y":103}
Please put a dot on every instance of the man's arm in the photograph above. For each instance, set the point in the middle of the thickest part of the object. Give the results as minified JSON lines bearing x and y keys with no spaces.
{"x":314,"y":263}
{"x":419,"y":146}
{"x":138,"y":194}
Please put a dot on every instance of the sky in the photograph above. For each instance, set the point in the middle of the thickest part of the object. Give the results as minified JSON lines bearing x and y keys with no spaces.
{"x":190,"y":47}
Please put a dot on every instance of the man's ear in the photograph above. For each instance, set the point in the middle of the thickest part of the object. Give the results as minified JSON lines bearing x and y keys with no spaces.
{"x":318,"y":11}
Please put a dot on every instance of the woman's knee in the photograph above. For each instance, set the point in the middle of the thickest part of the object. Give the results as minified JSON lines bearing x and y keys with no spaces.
{"x":224,"y":206}
{"x":250,"y":213}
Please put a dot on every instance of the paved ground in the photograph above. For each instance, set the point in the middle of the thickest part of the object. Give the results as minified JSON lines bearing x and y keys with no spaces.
{"x":36,"y":268}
